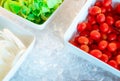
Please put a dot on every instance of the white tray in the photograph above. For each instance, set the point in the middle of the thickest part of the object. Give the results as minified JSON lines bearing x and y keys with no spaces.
{"x":72,"y":30}
{"x":26,"y":37}
{"x":26,"y":22}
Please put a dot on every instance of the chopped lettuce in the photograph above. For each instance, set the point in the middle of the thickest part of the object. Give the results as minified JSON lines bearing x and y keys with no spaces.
{"x":15,"y":7}
{"x":37,"y":11}
{"x":53,"y":3}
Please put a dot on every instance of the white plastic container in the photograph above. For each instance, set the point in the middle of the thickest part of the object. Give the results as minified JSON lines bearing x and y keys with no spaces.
{"x":26,"y":37}
{"x":26,"y":22}
{"x":71,"y":32}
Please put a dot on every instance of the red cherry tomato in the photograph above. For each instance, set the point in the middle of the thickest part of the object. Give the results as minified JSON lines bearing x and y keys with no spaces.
{"x":113,"y":63}
{"x":95,"y":27}
{"x":100,"y":18}
{"x":104,"y":58}
{"x":109,"y":20}
{"x":83,"y":40}
{"x":84,"y":33}
{"x":93,"y":46}
{"x":112,"y":47}
{"x":81,"y":26}
{"x":117,"y":23}
{"x":103,"y":10}
{"x":73,"y":43}
{"x":108,"y":53}
{"x":91,"y":20}
{"x":102,"y":44}
{"x":118,"y":8}
{"x":118,"y":59}
{"x":94,"y":10}
{"x":112,"y":37}
{"x":98,"y":3}
{"x":89,"y":26}
{"x":76,"y":39}
{"x":109,"y":9}
{"x":104,"y":27}
{"x":84,"y":48}
{"x":95,"y":35}
{"x":104,"y":36}
{"x":110,"y":30}
{"x":107,"y":2}
{"x":96,"y":53}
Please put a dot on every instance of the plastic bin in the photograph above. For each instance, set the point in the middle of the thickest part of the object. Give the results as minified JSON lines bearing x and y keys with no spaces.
{"x":26,"y":22}
{"x":26,"y":37}
{"x":72,"y":31}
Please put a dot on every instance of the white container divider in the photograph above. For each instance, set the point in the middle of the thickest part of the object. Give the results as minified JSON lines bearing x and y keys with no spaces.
{"x":19,"y":19}
{"x":72,"y":31}
{"x":25,"y":36}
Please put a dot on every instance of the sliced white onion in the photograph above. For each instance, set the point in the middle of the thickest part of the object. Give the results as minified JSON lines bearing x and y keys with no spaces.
{"x":6,"y":56}
{"x":14,"y":38}
{"x":11,"y":48}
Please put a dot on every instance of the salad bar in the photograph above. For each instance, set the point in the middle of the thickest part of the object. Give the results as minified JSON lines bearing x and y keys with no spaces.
{"x":80,"y":40}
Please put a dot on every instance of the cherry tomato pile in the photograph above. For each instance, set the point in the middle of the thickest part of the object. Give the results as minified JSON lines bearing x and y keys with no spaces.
{"x":99,"y":34}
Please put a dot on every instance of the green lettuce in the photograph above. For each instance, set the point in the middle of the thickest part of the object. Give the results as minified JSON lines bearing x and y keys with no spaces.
{"x":37,"y":11}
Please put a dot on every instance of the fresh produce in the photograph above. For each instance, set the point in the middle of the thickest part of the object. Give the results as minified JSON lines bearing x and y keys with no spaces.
{"x":37,"y":11}
{"x":10,"y":50}
{"x":99,"y":34}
